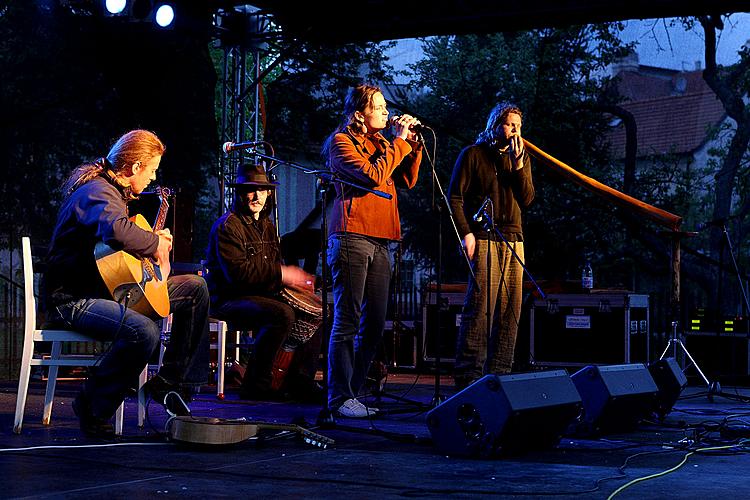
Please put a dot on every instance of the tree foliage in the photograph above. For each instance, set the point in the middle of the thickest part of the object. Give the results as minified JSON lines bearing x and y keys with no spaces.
{"x":556,"y":77}
{"x":73,"y":81}
{"x":305,"y":98}
{"x":712,"y":189}
{"x":731,"y":85}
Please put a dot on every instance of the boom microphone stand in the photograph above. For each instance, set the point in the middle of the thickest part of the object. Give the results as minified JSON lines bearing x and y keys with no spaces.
{"x":674,"y":341}
{"x":437,"y":398}
{"x":736,"y":267}
{"x":489,"y":223}
{"x":379,"y":393}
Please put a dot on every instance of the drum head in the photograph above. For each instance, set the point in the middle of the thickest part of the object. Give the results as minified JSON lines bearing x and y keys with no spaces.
{"x":304,"y":300}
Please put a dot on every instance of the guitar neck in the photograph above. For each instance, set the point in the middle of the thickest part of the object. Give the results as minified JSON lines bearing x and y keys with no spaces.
{"x":161,"y":216}
{"x":310,"y":437}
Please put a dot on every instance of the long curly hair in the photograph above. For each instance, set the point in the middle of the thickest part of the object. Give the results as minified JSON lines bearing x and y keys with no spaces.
{"x":136,"y":145}
{"x":493,"y":130}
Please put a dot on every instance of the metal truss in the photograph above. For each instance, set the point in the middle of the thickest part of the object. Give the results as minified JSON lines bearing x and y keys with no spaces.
{"x":245,"y":54}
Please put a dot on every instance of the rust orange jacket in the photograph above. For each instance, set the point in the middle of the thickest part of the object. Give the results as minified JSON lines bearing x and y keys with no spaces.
{"x":373,"y":162}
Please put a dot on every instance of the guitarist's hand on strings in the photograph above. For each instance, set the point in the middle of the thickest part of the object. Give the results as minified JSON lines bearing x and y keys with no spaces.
{"x":165,"y":246}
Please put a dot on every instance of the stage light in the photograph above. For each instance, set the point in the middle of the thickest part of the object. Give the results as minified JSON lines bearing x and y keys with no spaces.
{"x":115,"y":6}
{"x":164,"y":15}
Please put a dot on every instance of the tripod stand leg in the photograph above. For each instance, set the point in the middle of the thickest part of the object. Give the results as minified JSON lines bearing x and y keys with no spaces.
{"x":666,"y":349}
{"x":684,"y":349}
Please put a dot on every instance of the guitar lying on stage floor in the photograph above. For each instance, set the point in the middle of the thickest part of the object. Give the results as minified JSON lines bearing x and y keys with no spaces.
{"x":225,"y":431}
{"x":142,"y":279}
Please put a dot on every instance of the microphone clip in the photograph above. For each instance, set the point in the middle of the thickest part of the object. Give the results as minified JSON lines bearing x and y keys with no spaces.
{"x":483,"y":215}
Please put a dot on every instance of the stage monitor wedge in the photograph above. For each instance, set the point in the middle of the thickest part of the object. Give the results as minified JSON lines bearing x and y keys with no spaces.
{"x":505,"y":414}
{"x":615,"y":398}
{"x":670,"y":380}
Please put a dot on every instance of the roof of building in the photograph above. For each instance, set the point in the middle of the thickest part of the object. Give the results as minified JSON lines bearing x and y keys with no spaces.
{"x":673,"y":111}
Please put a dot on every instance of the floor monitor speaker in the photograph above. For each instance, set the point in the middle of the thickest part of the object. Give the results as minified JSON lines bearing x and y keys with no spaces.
{"x":670,"y":380}
{"x":615,"y":398}
{"x":505,"y":414}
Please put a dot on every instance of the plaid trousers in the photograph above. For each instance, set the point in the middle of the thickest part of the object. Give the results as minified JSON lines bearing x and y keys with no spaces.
{"x":477,"y":351}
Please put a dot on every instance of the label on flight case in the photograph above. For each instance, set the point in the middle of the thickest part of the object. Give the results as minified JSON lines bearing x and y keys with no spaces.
{"x":578,"y":322}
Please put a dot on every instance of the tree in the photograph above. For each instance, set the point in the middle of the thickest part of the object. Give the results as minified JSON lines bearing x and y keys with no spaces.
{"x":731,"y":86}
{"x":74,"y":81}
{"x":304,"y":100}
{"x":554,"y":75}
{"x":708,"y":276}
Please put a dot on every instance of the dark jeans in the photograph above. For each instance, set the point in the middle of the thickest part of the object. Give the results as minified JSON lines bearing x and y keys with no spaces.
{"x":361,"y":271}
{"x":135,"y":337}
{"x":271,"y":320}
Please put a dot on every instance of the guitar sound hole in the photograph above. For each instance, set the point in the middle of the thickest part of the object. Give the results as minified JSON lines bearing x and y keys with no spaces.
{"x":120,"y":293}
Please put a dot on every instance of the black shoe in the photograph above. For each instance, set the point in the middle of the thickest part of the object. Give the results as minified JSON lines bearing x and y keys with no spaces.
{"x":168,"y":395}
{"x":92,"y":425}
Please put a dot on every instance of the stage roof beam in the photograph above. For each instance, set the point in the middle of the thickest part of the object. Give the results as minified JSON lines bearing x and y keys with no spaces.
{"x":373,"y":20}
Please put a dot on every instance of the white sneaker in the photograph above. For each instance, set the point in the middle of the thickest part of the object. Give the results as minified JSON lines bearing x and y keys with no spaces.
{"x":352,"y":408}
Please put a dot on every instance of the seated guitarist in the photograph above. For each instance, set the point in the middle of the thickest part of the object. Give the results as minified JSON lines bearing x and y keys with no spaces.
{"x":94,"y":209}
{"x":245,"y":274}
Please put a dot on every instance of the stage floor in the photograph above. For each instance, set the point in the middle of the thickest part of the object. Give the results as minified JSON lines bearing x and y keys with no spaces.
{"x":389,"y":456}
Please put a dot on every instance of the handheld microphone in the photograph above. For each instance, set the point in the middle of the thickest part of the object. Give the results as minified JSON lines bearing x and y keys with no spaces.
{"x":228,"y":147}
{"x":416,"y":128}
{"x":479,"y":216}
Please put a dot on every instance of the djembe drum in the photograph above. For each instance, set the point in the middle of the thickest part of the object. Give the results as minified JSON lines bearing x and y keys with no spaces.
{"x":308,"y":309}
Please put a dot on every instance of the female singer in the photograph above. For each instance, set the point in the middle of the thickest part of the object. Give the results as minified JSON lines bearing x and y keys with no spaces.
{"x":362,"y":226}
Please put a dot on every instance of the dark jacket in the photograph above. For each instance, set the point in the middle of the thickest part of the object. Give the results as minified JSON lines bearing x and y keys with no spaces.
{"x":96,"y":211}
{"x":481,"y":171}
{"x":242,"y":259}
{"x":372,"y":161}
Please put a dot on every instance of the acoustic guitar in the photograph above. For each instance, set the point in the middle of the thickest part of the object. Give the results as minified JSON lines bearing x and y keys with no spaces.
{"x":224,"y":431}
{"x":141,"y":284}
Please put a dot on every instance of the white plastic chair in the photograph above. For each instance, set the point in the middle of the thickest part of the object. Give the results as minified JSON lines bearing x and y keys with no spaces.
{"x":220,"y":327}
{"x":32,"y":335}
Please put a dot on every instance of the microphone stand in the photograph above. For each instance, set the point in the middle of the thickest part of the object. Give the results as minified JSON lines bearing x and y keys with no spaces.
{"x":273,"y":177}
{"x":489,"y":223}
{"x":736,"y":267}
{"x":438,"y":398}
{"x":715,"y":388}
{"x":324,"y":175}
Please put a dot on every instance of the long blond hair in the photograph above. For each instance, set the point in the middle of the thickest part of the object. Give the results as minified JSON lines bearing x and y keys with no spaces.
{"x":136,"y":145}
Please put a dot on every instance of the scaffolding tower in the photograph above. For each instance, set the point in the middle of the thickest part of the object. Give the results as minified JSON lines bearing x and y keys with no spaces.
{"x":243,"y":37}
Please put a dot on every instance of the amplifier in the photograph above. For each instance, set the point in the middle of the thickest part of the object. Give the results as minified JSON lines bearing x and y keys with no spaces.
{"x":718,"y":354}
{"x":592,"y":328}
{"x":452,"y":301}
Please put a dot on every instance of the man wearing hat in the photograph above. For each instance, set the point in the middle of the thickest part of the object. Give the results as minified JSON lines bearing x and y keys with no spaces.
{"x":245,"y":273}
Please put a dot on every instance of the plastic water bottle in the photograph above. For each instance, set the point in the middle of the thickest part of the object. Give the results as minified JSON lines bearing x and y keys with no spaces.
{"x":587,"y":277}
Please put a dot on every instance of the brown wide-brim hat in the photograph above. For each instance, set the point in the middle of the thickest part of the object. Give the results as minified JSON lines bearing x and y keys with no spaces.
{"x":249,"y":174}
